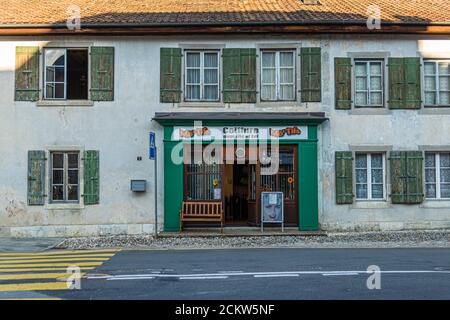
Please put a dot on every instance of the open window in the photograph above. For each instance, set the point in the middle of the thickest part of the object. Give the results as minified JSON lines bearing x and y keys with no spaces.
{"x":66,"y":74}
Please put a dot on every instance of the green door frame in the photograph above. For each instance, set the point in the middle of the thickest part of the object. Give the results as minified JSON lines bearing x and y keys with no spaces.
{"x":308,"y":209}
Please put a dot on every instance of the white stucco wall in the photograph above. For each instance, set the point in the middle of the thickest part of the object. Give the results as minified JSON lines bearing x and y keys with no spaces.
{"x":119,"y":130}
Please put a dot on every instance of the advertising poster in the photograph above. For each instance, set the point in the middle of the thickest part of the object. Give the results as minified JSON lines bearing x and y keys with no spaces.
{"x":272,"y":208}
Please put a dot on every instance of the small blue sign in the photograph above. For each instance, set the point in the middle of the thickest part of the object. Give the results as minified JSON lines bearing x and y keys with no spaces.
{"x":152,"y":146}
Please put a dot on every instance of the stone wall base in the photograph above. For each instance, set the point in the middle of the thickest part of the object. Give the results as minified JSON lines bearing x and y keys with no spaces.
{"x":76,"y":230}
{"x":384,"y":226}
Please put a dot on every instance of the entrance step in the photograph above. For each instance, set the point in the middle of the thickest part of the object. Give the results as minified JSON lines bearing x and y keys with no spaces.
{"x":241,"y":232}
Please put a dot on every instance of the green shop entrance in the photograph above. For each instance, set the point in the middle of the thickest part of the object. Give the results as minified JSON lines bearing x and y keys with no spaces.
{"x":230,"y":158}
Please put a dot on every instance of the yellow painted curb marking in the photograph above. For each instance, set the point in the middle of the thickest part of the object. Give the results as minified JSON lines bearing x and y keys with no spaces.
{"x":62,"y":264}
{"x":100,"y":255}
{"x":52,"y":260}
{"x":25,"y":276}
{"x":34,"y":286}
{"x":8,"y":254}
{"x":32,"y":299}
{"x":9,"y":270}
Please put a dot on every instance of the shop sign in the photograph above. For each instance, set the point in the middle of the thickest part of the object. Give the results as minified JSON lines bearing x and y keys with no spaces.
{"x":208,"y":133}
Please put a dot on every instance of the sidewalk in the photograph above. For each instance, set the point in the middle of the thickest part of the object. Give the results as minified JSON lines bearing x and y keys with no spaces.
{"x":399,"y":239}
{"x":27,"y":245}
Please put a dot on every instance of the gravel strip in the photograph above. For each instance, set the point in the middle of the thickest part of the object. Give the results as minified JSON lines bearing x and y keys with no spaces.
{"x":400,"y":239}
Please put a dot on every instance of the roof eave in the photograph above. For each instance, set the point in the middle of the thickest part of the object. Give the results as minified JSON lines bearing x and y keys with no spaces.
{"x":328,"y":26}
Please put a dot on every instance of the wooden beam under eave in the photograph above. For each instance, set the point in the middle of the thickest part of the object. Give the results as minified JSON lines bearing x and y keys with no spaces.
{"x":242,"y":29}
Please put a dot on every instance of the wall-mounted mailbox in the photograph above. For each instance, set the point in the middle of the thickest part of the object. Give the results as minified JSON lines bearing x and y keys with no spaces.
{"x":138,"y":185}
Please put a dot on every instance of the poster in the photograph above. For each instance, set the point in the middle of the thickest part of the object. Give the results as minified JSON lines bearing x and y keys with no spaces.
{"x":272,"y":207}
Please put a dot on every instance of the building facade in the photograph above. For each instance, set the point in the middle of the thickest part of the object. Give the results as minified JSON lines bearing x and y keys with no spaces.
{"x":359,"y":119}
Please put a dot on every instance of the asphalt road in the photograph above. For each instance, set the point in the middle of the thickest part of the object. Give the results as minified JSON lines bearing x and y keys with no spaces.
{"x":268,"y":274}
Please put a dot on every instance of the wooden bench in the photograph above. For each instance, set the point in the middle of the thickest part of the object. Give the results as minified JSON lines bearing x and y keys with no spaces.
{"x":195,"y":211}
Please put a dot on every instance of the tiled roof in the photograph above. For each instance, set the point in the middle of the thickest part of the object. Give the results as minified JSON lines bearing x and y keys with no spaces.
{"x":184,"y":12}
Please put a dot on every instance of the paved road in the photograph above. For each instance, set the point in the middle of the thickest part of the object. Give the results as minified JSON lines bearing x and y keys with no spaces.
{"x":264,"y":274}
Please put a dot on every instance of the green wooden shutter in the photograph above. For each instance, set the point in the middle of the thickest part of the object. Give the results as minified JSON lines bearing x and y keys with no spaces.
{"x":396,"y":83}
{"x":102,"y":73}
{"x":311,"y":74}
{"x":406,"y":177}
{"x":344,"y":177}
{"x":343,"y":83}
{"x":27,"y":74}
{"x":239,"y":75}
{"x":36,"y":177}
{"x":91,"y":177}
{"x":413,"y":92}
{"x":404,"y":83}
{"x":170,"y":75}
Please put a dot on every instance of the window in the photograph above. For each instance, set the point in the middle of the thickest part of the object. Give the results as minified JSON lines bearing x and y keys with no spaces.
{"x":368,"y":83}
{"x":66,"y":74}
{"x":284,"y":179}
{"x":437,"y":82}
{"x":64,"y":180}
{"x":202,"y":76}
{"x":277,"y":75}
{"x":200,"y":181}
{"x":370,"y":176}
{"x":437,"y":175}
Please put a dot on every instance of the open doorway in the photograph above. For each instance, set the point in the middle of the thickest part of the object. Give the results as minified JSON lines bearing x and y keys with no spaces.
{"x":236,"y":194}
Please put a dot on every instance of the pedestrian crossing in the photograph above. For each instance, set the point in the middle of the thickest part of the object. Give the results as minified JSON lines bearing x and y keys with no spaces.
{"x":33,"y":272}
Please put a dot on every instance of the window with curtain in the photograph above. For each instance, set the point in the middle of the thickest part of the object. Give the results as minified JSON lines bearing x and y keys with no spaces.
{"x":64,"y":178}
{"x":277,"y":75}
{"x":437,"y":82}
{"x":437,"y":175}
{"x":370,"y":176}
{"x":202,"y":76}
{"x":368,"y":83}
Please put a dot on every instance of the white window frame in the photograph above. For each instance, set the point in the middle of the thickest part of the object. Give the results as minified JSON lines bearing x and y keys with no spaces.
{"x":202,"y":75}
{"x":368,"y":77}
{"x":437,"y":177}
{"x":369,"y":176}
{"x":65,"y":183}
{"x":277,"y":75}
{"x":436,"y":76}
{"x":55,"y":82}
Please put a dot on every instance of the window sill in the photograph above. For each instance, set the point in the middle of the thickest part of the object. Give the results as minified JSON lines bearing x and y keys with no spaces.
{"x":371,"y":204}
{"x":433,"y":110}
{"x":201,"y":104}
{"x":279,"y":104}
{"x":370,"y":111}
{"x":64,"y":206}
{"x":435,"y":203}
{"x":65,"y":103}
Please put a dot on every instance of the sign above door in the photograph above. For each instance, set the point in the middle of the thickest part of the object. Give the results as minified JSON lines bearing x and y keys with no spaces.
{"x":211,"y":133}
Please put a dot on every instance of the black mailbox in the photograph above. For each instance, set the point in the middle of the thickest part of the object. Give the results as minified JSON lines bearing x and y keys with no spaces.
{"x":138,"y":185}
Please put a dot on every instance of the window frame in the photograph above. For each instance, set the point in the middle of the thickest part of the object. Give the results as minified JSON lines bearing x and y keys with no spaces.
{"x":65,"y":183}
{"x":44,"y":72}
{"x":368,"y":76}
{"x":369,"y":176}
{"x":54,"y":82}
{"x":202,"y":75}
{"x":437,"y":175}
{"x":436,"y":76}
{"x":277,"y":75}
